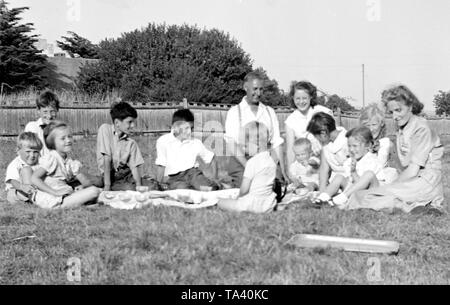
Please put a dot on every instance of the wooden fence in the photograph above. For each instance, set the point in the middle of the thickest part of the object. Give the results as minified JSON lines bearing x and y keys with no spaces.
{"x":85,"y":118}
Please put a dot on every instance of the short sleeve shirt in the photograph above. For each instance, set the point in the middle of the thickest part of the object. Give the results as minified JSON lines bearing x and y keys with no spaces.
{"x":298,"y":121}
{"x":122,"y":151}
{"x":261,"y":170}
{"x":240,"y":115}
{"x":13,"y":171}
{"x":297,"y":170}
{"x":336,"y":152}
{"x":178,"y":156}
{"x":367,"y":163}
{"x":37,"y":127}
{"x":418,"y":144}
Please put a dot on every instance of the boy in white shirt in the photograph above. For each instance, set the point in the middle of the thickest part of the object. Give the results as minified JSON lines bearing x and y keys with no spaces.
{"x":178,"y":153}
{"x":18,"y":173}
{"x":304,"y":171}
{"x":48,"y":107}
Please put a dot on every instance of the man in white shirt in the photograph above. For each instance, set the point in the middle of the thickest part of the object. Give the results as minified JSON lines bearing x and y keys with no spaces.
{"x":250,"y":109}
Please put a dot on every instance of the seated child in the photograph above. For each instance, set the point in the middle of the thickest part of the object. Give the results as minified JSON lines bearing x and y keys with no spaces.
{"x":118,"y":156}
{"x":47,"y":106}
{"x":334,"y":147}
{"x":177,"y":154}
{"x":374,"y":118}
{"x":256,"y":193}
{"x":304,"y":171}
{"x":56,"y":170}
{"x":362,"y":169}
{"x":18,"y":174}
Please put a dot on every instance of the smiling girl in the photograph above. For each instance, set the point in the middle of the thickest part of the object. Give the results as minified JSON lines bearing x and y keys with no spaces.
{"x":56,"y":170}
{"x":362,"y":168}
{"x":304,"y":100}
{"x":419,"y":186}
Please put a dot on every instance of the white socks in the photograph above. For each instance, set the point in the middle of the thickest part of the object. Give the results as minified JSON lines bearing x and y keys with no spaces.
{"x":340,"y":199}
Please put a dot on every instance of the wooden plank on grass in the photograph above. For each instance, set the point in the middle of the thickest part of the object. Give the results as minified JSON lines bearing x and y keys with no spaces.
{"x":344,"y":243}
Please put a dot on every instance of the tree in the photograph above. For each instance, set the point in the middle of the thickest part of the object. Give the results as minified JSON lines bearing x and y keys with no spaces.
{"x":78,"y":46}
{"x":334,"y":101}
{"x":21,"y":63}
{"x":272,"y":95}
{"x":442,"y":103}
{"x":163,"y":63}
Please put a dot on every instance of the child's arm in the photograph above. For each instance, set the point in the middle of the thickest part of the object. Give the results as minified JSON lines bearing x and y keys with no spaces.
{"x":136,"y":171}
{"x":160,"y":173}
{"x":214,"y":167}
{"x":85,"y":181}
{"x":37,"y":180}
{"x":324,"y":172}
{"x":107,"y":173}
{"x":280,"y":158}
{"x":354,"y":174}
{"x":22,"y":187}
{"x":245,"y":186}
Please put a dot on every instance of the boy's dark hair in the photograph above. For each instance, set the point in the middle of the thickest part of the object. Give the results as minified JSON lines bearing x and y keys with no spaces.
{"x":183,"y":115}
{"x":48,"y":130}
{"x":121,"y":111}
{"x":46,"y":99}
{"x":31,"y":138}
{"x":321,"y":122}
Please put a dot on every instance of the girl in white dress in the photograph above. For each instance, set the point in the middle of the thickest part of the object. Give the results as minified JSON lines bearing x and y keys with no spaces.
{"x":374,"y":118}
{"x":56,"y":170}
{"x":304,"y":100}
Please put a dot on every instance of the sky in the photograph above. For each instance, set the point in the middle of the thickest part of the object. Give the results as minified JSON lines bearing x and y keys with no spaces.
{"x":323,"y":41}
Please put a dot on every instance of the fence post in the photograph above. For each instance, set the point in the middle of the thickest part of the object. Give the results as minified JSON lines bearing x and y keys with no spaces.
{"x":339,"y":116}
{"x":185,"y":103}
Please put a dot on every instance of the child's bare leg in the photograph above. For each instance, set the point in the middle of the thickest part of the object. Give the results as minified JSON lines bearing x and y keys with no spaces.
{"x":80,"y":197}
{"x":228,"y":204}
{"x":366,"y":181}
{"x":311,"y":186}
{"x":338,"y":182}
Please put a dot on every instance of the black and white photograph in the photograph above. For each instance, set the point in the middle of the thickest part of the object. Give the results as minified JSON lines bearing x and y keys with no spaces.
{"x":227,"y":148}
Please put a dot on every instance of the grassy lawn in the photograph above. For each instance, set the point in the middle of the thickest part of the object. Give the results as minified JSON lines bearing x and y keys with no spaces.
{"x":163,"y":245}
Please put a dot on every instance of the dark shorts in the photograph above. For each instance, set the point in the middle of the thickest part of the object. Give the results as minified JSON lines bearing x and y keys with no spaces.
{"x":122,"y":180}
{"x":191,"y":179}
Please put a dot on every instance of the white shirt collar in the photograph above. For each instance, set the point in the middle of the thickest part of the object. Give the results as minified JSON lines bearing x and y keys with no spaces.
{"x":338,"y":143}
{"x":244,"y":103}
{"x":123,"y":137}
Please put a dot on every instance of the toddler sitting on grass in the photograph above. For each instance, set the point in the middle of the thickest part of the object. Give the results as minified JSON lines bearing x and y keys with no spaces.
{"x":304,"y":172}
